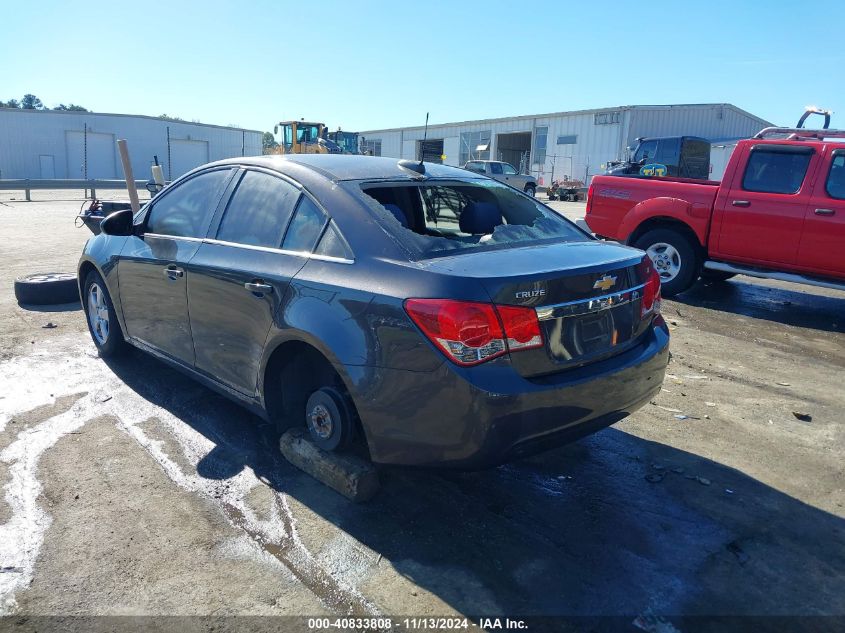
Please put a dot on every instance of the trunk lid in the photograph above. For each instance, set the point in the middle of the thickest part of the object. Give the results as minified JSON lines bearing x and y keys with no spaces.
{"x":586,"y":295}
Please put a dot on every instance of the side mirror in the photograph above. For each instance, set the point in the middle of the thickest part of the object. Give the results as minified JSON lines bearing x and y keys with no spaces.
{"x":118,"y":223}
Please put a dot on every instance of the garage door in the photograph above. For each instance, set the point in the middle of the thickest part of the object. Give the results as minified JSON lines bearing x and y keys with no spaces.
{"x":101,"y":155}
{"x":185,"y":155}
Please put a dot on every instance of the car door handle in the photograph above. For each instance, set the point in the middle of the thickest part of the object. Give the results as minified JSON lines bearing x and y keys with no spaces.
{"x":825,"y":212}
{"x":741,"y":203}
{"x":173,"y":273}
{"x":259,"y":288}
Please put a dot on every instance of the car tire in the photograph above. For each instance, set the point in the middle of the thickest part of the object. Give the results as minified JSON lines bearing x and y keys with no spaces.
{"x":101,"y":317}
{"x":329,"y":420}
{"x":530,"y":190}
{"x":47,"y":288}
{"x":675,"y":257}
{"x":716,"y":275}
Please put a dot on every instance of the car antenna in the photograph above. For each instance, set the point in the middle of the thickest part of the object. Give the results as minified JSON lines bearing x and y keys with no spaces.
{"x":413,"y":165}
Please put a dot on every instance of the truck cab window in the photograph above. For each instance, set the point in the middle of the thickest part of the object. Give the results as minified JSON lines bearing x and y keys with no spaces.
{"x":646,"y":151}
{"x":495,"y":168}
{"x":836,"y":178}
{"x":775,"y":171}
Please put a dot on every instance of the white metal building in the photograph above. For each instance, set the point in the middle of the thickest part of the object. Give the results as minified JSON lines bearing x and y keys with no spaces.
{"x":552,"y":146}
{"x":59,"y":144}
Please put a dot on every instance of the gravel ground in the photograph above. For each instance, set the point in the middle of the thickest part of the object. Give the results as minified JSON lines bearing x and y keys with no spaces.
{"x":131,"y":490}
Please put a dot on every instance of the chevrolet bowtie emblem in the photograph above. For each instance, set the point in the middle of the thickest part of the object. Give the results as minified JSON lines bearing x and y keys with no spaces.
{"x":605,"y":283}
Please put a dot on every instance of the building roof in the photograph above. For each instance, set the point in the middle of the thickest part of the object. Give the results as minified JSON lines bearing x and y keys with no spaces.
{"x":573,"y":113}
{"x":132,"y":116}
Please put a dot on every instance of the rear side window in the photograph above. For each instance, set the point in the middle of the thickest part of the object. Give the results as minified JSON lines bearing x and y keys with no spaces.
{"x":332,"y":244}
{"x":305,"y":228}
{"x":775,"y":171}
{"x":186,"y":210}
{"x":477,"y":167}
{"x":258,"y":211}
{"x":495,"y":168}
{"x":436,"y":218}
{"x":668,"y":150}
{"x":836,"y":178}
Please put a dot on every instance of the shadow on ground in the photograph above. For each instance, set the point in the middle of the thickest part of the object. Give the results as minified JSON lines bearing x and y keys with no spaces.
{"x":818,"y":311}
{"x":577,"y":531}
{"x":58,"y":307}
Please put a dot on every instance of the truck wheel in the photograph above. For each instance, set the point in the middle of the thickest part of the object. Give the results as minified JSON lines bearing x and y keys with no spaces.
{"x":674,"y":257}
{"x":101,"y":317}
{"x":46,"y":288}
{"x":329,"y":420}
{"x":530,"y":190}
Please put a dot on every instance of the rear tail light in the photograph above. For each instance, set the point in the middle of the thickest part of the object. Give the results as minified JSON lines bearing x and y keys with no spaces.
{"x":522,"y":328}
{"x":589,"y":200}
{"x":470,"y":333}
{"x":651,"y":292}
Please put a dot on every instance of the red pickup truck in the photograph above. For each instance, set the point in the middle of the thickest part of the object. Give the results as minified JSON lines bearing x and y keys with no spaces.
{"x":779,"y":212}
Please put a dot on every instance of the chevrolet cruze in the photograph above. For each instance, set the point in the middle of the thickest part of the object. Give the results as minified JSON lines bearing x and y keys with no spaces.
{"x":436,"y":316}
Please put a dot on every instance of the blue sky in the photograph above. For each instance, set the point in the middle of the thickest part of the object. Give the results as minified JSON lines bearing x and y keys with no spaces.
{"x":367,"y":65}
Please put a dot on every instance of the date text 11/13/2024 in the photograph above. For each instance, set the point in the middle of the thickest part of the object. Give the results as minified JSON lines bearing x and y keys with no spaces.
{"x":418,"y":624}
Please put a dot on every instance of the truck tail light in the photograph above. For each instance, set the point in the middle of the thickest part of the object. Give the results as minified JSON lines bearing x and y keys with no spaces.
{"x":651,"y":292}
{"x":470,"y":333}
{"x":589,"y":200}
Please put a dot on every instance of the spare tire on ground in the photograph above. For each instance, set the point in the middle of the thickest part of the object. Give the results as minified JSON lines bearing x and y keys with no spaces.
{"x":47,"y":288}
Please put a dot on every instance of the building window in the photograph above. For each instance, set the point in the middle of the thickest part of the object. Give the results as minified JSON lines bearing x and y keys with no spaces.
{"x":607,"y":118}
{"x":570,"y":139}
{"x":541,"y":135}
{"x":474,"y":146}
{"x":372,"y":148}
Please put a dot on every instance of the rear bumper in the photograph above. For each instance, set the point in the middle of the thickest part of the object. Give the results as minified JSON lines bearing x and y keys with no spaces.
{"x":483,"y":416}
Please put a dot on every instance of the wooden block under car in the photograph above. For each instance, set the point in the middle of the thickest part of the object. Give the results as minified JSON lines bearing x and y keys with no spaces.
{"x":353,"y":477}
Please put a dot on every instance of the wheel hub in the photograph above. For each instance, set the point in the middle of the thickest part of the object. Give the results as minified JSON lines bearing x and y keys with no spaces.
{"x":98,"y":313}
{"x":667,"y":260}
{"x":321,"y":421}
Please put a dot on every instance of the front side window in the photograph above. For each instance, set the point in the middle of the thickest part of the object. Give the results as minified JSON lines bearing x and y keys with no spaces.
{"x":835,"y":185}
{"x":646,"y":151}
{"x":776,"y":170}
{"x":438,"y":218}
{"x":186,"y":210}
{"x":258,"y":211}
{"x":508,"y":169}
{"x":305,"y":228}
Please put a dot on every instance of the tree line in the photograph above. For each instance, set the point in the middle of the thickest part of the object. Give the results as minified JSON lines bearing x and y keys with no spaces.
{"x":31,"y":102}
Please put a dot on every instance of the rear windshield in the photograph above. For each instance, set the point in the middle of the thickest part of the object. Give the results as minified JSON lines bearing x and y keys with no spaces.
{"x":437,"y":218}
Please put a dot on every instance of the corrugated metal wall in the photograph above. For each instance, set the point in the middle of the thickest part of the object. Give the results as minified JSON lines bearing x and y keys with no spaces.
{"x":36,"y":144}
{"x":713,"y":122}
{"x":599,"y":135}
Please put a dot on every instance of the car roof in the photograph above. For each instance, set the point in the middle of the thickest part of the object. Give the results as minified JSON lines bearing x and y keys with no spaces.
{"x":339,"y":167}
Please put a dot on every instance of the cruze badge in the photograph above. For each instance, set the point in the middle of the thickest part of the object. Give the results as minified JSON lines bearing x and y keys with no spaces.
{"x":605,"y":283}
{"x":530,"y":294}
